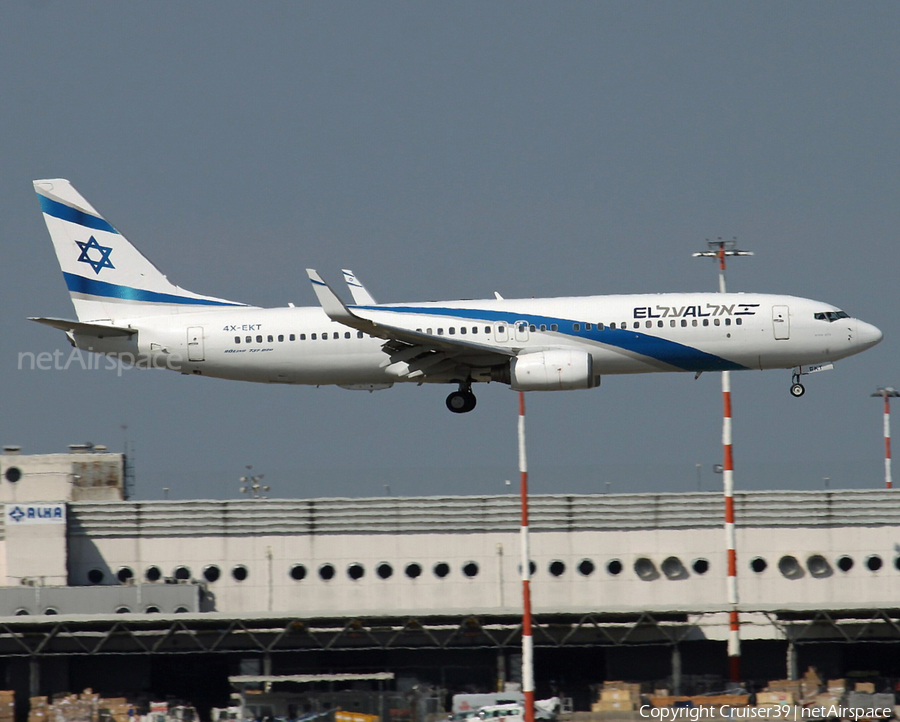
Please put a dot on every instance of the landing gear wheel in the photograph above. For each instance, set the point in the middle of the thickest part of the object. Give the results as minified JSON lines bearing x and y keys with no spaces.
{"x":461,"y":402}
{"x":797,"y":390}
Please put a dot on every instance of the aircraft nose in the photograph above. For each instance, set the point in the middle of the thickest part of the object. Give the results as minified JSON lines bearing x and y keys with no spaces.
{"x":867,"y":334}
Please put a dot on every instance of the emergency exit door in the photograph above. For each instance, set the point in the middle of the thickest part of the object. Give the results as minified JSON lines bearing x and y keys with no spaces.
{"x":195,"y":343}
{"x":781,"y":322}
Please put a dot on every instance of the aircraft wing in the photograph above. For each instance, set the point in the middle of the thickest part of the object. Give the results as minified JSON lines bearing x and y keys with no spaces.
{"x":411,"y":353}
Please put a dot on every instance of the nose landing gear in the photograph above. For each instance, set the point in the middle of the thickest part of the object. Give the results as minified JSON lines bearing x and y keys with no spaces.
{"x":462,"y":401}
{"x":797,"y":389}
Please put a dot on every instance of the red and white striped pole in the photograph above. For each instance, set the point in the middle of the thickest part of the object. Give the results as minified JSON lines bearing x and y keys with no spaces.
{"x":719,"y":249}
{"x":527,"y":641}
{"x":887,"y":392}
{"x":734,"y":629}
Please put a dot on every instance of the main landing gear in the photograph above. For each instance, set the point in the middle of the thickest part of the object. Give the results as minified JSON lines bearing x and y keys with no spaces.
{"x":797,"y":389}
{"x":462,"y":401}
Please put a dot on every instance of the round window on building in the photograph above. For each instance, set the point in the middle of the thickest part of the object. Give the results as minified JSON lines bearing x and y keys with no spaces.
{"x":13,"y":474}
{"x":153,"y":574}
{"x":22,"y":612}
{"x":790,"y":567}
{"x":818,"y":566}
{"x":211,"y":573}
{"x":298,"y":572}
{"x":125,"y":575}
{"x":181,"y":610}
{"x":152,"y":609}
{"x":326,"y":572}
{"x":557,"y":568}
{"x":413,"y":570}
{"x":532,"y":568}
{"x":240,"y":573}
{"x":51,"y":611}
{"x":384,"y":570}
{"x":700,"y":566}
{"x":758,"y":565}
{"x":673,"y":568}
{"x":182,"y":573}
{"x":645,"y":569}
{"x":95,"y":576}
{"x":585,"y":567}
{"x":613,"y":567}
{"x":123,"y":610}
{"x":470,"y":569}
{"x":845,"y":563}
{"x":874,"y":563}
{"x":356,"y":571}
{"x":441,"y":569}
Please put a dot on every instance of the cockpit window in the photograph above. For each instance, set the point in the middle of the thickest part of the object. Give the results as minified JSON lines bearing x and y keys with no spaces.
{"x":831,"y":316}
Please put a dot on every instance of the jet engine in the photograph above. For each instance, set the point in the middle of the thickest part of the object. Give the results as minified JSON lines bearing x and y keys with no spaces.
{"x":554,"y":370}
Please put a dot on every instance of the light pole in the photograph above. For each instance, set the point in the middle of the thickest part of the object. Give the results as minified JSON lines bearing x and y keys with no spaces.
{"x":251,"y":484}
{"x":887,"y":392}
{"x":720,"y":250}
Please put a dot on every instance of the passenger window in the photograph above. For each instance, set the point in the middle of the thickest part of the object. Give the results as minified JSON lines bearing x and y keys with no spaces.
{"x":694,"y":322}
{"x":717,"y":322}
{"x":359,"y":334}
{"x":259,"y":339}
{"x":659,"y":323}
{"x":600,"y":326}
{"x":738,"y":321}
{"x":649,"y":324}
{"x":462,"y":330}
{"x":543,"y":327}
{"x":346,"y":334}
{"x":624,"y":325}
{"x":672,"y":323}
{"x":727,"y":321}
{"x":237,"y":339}
{"x":325,"y":336}
{"x":336,"y":335}
{"x":249,"y":339}
{"x":280,"y":337}
{"x":428,"y":330}
{"x":452,"y":330}
{"x":612,"y":325}
{"x":683,"y":323}
{"x":588,"y":326}
{"x":706,"y":322}
{"x":501,"y":329}
{"x":312,"y":336}
{"x":303,"y":337}
{"x":554,"y":327}
{"x":440,"y":332}
{"x":576,"y":326}
{"x":292,"y":337}
{"x":271,"y":339}
{"x":487,"y":330}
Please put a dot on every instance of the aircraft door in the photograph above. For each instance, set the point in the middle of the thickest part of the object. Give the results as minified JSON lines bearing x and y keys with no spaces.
{"x":195,"y":343}
{"x":521,"y":331}
{"x":501,"y":332}
{"x":781,"y":322}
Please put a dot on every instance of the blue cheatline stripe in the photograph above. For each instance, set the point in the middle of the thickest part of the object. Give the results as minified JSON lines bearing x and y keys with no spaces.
{"x":673,"y":353}
{"x":92,"y":287}
{"x":73,"y":215}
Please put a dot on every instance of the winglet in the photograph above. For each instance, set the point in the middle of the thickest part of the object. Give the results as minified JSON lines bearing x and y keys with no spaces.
{"x":332,"y":305}
{"x":361,"y":296}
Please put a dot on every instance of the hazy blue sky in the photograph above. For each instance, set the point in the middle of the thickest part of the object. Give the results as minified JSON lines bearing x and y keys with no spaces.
{"x":447,"y":150}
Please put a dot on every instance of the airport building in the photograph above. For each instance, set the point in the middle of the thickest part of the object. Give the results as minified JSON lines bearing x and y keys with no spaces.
{"x":178,"y":595}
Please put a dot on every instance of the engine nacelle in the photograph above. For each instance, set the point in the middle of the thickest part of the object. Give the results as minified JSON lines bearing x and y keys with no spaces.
{"x":555,"y":370}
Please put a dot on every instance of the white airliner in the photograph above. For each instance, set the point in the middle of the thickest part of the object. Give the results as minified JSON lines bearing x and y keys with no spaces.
{"x":127,"y":309}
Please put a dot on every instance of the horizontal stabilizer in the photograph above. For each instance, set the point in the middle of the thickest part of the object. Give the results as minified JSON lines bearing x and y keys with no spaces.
{"x":94,"y":329}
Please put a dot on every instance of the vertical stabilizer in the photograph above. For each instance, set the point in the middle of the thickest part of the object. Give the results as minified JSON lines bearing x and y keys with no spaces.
{"x":107,"y":277}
